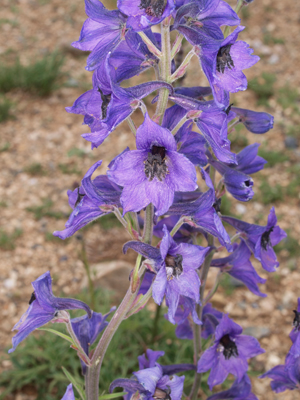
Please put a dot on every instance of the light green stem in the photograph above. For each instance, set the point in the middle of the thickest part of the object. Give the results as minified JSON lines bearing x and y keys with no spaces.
{"x":148,"y":230}
{"x":237,"y":9}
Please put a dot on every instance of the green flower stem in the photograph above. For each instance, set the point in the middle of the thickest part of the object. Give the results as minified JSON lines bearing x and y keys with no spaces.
{"x":154,"y":50}
{"x":131,"y":125}
{"x":177,"y":45}
{"x":214,"y":289}
{"x":237,"y":9}
{"x":86,"y":264}
{"x":165,"y":69}
{"x":180,"y":222}
{"x":148,"y":230}
{"x":93,"y":373}
{"x":183,"y":67}
{"x":179,"y":125}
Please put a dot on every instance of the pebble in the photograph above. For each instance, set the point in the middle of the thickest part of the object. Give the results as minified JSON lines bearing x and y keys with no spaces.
{"x":290,"y":142}
{"x":274,"y":59}
{"x":240,"y":209}
{"x":258,"y":332}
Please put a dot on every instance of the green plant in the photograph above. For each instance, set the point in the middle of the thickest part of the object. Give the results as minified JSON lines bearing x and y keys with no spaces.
{"x":290,"y":244}
{"x":7,"y":240}
{"x":5,"y":147}
{"x":270,"y":193}
{"x":35,"y":169}
{"x":69,"y":169}
{"x":293,"y":188}
{"x":76,"y":152}
{"x":273,"y":157}
{"x":45,"y":210}
{"x":269,"y":39}
{"x":288,"y":97}
{"x":263,"y":87}
{"x":5,"y":108}
{"x":40,"y":77}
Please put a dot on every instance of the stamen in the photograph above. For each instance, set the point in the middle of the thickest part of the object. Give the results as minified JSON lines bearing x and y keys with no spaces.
{"x":32,"y":298}
{"x":296,"y":322}
{"x":105,"y":102}
{"x":173,"y":266}
{"x":155,"y":165}
{"x":265,"y":238}
{"x":224,"y":59}
{"x":153,"y":8}
{"x":228,"y":347}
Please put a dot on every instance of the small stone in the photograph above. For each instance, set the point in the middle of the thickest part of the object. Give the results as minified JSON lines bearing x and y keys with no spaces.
{"x":258,"y":332}
{"x":290,"y":142}
{"x":274,"y":59}
{"x":240,"y":209}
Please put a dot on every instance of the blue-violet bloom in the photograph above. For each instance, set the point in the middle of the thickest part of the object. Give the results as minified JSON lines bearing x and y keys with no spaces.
{"x":229,"y":353}
{"x":238,"y":391}
{"x":69,"y":395}
{"x":43,"y":308}
{"x":153,"y":172}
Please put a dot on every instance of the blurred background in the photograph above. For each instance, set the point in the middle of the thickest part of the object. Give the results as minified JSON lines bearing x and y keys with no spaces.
{"x":43,"y":155}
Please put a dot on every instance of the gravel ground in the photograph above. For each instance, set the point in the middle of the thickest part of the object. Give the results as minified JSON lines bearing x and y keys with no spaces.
{"x":42,"y":132}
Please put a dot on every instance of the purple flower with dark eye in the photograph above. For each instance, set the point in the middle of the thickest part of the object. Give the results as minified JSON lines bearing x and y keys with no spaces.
{"x":87,"y":200}
{"x":255,"y":122}
{"x":101,"y":32}
{"x":238,"y":391}
{"x":152,"y":383}
{"x":175,"y":266}
{"x":43,"y":307}
{"x":285,"y":377}
{"x":239,"y":266}
{"x":69,"y":395}
{"x":261,"y":239}
{"x":223,"y":65}
{"x":229,"y":353}
{"x":144,"y":13}
{"x":107,"y":104}
{"x":87,"y":330}
{"x":153,"y":172}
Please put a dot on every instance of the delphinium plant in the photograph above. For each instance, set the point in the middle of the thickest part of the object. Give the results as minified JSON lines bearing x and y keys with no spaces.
{"x":153,"y":191}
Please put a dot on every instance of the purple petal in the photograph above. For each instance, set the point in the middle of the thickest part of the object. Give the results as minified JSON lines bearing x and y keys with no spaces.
{"x":69,"y":395}
{"x":145,"y":250}
{"x":159,"y":286}
{"x":149,"y":377}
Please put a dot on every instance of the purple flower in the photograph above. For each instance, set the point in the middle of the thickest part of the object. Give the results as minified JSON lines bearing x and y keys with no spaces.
{"x":255,"y":122}
{"x":237,"y":183}
{"x":43,"y":307}
{"x":101,"y":32}
{"x":153,"y":172}
{"x":285,"y":377}
{"x":223,"y":65}
{"x":203,"y":212}
{"x":87,"y":199}
{"x":144,"y":13}
{"x":210,"y":319}
{"x":107,"y":104}
{"x":175,"y":265}
{"x":241,"y":267}
{"x":69,"y":395}
{"x":261,"y":239}
{"x":87,"y":330}
{"x":229,"y":353}
{"x":238,"y":391}
{"x":152,"y":383}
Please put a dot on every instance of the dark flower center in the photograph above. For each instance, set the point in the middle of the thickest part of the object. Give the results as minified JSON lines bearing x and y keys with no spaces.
{"x":224,"y":59}
{"x":173,"y":266}
{"x":153,"y":8}
{"x":265,"y":238}
{"x":296,"y":322}
{"x":248,"y":183}
{"x":155,"y":165}
{"x":105,"y":102}
{"x":217,"y":204}
{"x":32,"y":298}
{"x":160,"y":394}
{"x":79,"y":198}
{"x":229,"y":347}
{"x":228,"y":108}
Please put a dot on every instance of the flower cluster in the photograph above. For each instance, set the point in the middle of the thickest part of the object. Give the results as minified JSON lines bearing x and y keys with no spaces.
{"x":167,"y":187}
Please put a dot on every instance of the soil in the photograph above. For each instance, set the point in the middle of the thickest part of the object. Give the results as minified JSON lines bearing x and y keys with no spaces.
{"x":42,"y":132}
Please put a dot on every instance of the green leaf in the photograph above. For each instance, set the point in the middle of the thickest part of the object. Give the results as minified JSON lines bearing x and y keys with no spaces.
{"x":74,"y":382}
{"x":62,"y":335}
{"x":112,"y":396}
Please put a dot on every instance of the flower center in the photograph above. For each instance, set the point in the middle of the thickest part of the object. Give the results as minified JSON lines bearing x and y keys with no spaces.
{"x":79,"y":198}
{"x":217,"y":205}
{"x":173,"y":266}
{"x":296,"y":322}
{"x":153,"y":8}
{"x":224,"y":59}
{"x":155,"y":165}
{"x":105,"y":102}
{"x":265,"y":238}
{"x":32,"y":298}
{"x":228,"y":347}
{"x":160,"y":394}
